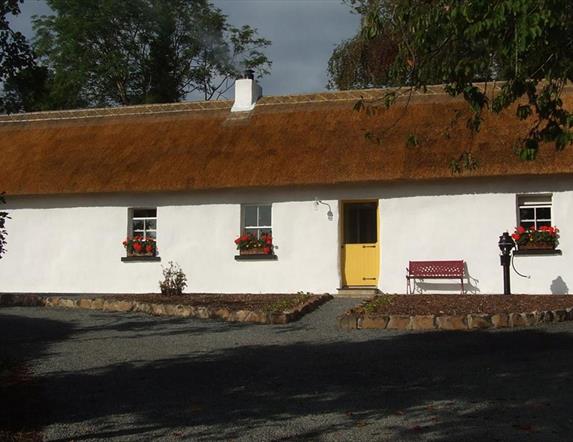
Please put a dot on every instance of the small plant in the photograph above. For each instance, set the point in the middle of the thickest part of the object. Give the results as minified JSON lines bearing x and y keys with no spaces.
{"x":376,"y":303}
{"x":287,"y":304}
{"x":249,"y":241}
{"x":174,"y":280}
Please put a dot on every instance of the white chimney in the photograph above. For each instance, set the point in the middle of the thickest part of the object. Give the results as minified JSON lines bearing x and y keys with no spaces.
{"x":247,"y":92}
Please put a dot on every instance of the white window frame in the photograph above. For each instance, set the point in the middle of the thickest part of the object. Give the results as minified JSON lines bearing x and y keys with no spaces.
{"x":141,"y":232}
{"x":256,"y":227}
{"x":535,"y":202}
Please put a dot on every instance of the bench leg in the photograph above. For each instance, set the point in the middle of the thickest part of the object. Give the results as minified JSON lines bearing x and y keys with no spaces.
{"x":462,"y":281}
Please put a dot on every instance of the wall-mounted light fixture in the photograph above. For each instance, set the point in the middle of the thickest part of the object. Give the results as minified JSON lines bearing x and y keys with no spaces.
{"x":329,"y":214}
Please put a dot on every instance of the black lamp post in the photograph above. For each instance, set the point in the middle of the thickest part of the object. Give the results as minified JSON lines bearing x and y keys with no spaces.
{"x":505,"y":244}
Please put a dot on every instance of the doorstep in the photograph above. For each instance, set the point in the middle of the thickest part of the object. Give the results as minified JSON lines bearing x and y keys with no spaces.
{"x":357,"y":292}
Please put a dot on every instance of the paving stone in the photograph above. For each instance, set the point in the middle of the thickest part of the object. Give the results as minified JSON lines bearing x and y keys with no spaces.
{"x":173,"y":309}
{"x":67,"y":303}
{"x":560,"y":315}
{"x":347,"y":322}
{"x":500,"y":320}
{"x":531,"y":318}
{"x":517,"y":320}
{"x":423,"y":322}
{"x":375,"y":321}
{"x":157,"y":309}
{"x":85,"y":303}
{"x":453,"y":322}
{"x":546,"y":316}
{"x":52,"y":301}
{"x":479,"y":321}
{"x":97,"y":304}
{"x":399,"y":322}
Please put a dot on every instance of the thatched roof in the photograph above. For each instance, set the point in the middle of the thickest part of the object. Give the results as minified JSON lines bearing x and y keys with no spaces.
{"x":298,"y":140}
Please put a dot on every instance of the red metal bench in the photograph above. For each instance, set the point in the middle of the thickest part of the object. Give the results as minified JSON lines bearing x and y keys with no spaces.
{"x":434,"y":270}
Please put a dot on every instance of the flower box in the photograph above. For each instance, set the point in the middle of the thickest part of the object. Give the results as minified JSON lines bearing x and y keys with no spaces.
{"x":141,"y":254}
{"x":138,"y":246}
{"x":537,"y":246}
{"x":253,"y":251}
{"x":543,"y":238}
{"x":249,"y":244}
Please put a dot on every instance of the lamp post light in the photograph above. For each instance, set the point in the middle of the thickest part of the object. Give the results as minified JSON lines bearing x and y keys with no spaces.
{"x":505,"y":244}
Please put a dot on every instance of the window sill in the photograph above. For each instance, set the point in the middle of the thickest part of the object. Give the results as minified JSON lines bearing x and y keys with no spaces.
{"x":537,"y":252}
{"x":140,"y":258}
{"x":260,"y":257}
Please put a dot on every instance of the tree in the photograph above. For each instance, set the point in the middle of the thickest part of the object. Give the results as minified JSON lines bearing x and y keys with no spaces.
{"x":364,"y":60}
{"x":109,"y":52}
{"x":528,"y":44}
{"x":15,"y":52}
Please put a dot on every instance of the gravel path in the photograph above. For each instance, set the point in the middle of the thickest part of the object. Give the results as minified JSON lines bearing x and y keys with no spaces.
{"x":134,"y":377}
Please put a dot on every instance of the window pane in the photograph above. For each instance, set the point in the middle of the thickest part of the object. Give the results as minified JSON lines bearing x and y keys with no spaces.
{"x":265,"y":232}
{"x":150,"y":224}
{"x":527,"y":224}
{"x":150,"y":235}
{"x":145,"y":213}
{"x":544,"y":213}
{"x":138,"y":225}
{"x":250,"y":215}
{"x":264,"y":215}
{"x":543,"y":223}
{"x":253,"y":232}
{"x":360,"y":223}
{"x":528,"y":213}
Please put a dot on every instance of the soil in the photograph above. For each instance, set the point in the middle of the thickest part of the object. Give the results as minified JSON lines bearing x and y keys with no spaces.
{"x":230,"y":301}
{"x":464,"y":304}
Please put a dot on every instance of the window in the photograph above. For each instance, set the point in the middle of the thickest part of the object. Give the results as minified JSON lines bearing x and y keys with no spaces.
{"x":534,"y":211}
{"x":143,"y":223}
{"x":256,"y":219}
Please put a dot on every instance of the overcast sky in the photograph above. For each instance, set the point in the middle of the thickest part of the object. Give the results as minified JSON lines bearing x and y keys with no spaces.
{"x":303,"y":35}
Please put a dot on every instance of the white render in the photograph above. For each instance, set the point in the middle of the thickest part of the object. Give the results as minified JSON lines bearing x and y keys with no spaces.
{"x":247,"y":92}
{"x":73,"y":244}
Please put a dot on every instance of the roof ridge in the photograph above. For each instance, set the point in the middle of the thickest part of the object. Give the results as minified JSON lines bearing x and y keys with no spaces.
{"x":99,"y":112}
{"x":187,"y":106}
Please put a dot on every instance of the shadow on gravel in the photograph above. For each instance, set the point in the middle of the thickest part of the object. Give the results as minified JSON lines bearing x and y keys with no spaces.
{"x":447,"y":386}
{"x":23,"y":340}
{"x":141,"y":326}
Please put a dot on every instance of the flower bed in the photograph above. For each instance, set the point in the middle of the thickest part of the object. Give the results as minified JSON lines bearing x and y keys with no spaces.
{"x":457,"y":312}
{"x":262,"y":309}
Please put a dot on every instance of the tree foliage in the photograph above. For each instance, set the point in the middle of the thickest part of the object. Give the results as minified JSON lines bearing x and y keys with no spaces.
{"x":109,"y":52}
{"x":364,"y":60}
{"x":527,"y":44}
{"x":15,"y":52}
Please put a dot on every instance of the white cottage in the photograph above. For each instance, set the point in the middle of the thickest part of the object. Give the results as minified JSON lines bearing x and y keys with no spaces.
{"x":344,"y":211}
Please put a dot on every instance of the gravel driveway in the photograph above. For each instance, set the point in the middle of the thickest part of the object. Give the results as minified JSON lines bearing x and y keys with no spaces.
{"x":134,"y":377}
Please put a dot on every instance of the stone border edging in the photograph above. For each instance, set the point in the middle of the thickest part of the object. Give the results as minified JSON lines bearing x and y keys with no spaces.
{"x":158,"y":309}
{"x":473,"y":321}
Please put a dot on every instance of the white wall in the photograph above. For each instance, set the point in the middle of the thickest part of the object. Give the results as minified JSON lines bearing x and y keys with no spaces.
{"x":72,"y":244}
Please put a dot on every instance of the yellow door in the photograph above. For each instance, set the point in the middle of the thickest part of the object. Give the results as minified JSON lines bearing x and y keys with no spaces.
{"x":360,"y":244}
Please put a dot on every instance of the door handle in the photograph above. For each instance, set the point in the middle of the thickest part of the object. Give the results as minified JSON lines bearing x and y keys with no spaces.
{"x":369,"y":279}
{"x":368,"y":247}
